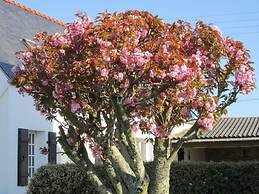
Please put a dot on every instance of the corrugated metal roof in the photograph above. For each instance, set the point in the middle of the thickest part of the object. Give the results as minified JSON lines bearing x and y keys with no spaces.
{"x":234,"y":127}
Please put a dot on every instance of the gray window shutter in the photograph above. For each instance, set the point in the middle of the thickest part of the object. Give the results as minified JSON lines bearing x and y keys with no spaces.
{"x":23,"y":139}
{"x":52,"y":148}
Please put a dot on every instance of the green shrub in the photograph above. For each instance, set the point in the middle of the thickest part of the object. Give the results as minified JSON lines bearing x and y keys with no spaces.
{"x":186,"y":178}
{"x":215,"y":178}
{"x":59,"y":179}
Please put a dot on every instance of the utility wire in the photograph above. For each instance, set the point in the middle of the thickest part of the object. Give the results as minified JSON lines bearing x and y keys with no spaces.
{"x":248,"y":100}
{"x":235,"y":20}
{"x":245,"y":27}
{"x":221,"y":15}
{"x":242,"y":33}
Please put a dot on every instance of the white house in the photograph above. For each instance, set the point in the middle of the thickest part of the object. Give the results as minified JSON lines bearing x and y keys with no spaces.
{"x":23,"y":130}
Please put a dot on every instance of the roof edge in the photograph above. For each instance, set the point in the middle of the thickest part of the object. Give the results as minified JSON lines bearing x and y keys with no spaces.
{"x":220,"y":140}
{"x":35,"y":12}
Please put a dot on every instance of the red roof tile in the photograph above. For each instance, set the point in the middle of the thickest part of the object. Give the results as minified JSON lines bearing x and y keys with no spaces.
{"x":35,"y":12}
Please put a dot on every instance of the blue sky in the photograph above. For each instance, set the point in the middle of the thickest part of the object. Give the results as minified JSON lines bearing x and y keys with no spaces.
{"x":237,"y":18}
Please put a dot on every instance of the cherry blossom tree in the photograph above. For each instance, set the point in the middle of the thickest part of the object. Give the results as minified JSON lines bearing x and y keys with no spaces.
{"x":128,"y":72}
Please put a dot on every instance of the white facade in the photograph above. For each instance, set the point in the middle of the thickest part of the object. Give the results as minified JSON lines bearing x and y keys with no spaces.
{"x":16,"y":112}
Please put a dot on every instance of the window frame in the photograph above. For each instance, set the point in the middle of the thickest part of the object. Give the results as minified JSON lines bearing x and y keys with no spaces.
{"x":31,"y":154}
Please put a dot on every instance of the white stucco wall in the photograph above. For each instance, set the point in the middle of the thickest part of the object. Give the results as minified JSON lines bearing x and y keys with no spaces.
{"x":3,"y":142}
{"x":16,"y":112}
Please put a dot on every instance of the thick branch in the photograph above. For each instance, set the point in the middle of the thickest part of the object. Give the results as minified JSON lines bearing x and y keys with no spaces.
{"x":190,"y":134}
{"x":114,"y":177}
{"x":130,"y":143}
{"x":122,"y":168}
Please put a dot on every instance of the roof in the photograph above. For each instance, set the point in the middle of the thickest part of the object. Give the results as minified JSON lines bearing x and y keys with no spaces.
{"x":35,"y":12}
{"x":234,"y":127}
{"x":18,"y":22}
{"x":227,"y":129}
{"x":7,"y":69}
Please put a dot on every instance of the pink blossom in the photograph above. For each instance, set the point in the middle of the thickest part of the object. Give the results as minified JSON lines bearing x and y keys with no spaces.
{"x":103,"y":43}
{"x":158,"y":131}
{"x":62,"y":51}
{"x":162,"y":96}
{"x":45,"y":83}
{"x":229,"y":46}
{"x":240,"y":55}
{"x":74,"y":106}
{"x":181,"y":97}
{"x":197,"y":103}
{"x":207,"y":122}
{"x":60,"y":89}
{"x":245,"y":79}
{"x":124,"y":57}
{"x":148,"y":55}
{"x":179,"y":73}
{"x":124,"y":85}
{"x":151,"y":74}
{"x":77,"y":28}
{"x":182,"y":84}
{"x":106,"y":58}
{"x":135,"y":127}
{"x":197,"y":58}
{"x":58,"y":93}
{"x":96,"y":150}
{"x":58,"y":39}
{"x":86,"y":138}
{"x":131,"y":101}
{"x":143,"y":33}
{"x":186,"y":113}
{"x":134,"y":60}
{"x":211,"y":105}
{"x":162,"y":75}
{"x":165,"y":49}
{"x":24,"y":55}
{"x":119,"y":76}
{"x":27,"y":54}
{"x":104,"y":72}
{"x":192,"y":92}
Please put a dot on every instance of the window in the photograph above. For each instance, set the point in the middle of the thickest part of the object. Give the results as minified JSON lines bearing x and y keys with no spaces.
{"x":31,"y":154}
{"x":180,"y":154}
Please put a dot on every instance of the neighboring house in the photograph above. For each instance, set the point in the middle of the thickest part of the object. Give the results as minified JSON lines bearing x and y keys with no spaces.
{"x":146,"y":141}
{"x":23,"y":130}
{"x":232,"y":139}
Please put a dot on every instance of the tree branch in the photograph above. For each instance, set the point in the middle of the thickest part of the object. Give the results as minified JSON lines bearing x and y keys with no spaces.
{"x":129,"y":141}
{"x":190,"y":134}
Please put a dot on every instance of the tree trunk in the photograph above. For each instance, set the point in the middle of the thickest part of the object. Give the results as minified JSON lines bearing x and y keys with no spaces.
{"x":159,"y":181}
{"x":160,"y":174}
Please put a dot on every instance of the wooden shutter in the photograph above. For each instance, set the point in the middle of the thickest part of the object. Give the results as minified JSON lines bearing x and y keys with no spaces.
{"x":23,"y":139}
{"x":52,"y":148}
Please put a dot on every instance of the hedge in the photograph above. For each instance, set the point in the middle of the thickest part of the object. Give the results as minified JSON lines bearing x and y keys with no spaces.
{"x":59,"y":179}
{"x":186,"y":178}
{"x":215,"y":178}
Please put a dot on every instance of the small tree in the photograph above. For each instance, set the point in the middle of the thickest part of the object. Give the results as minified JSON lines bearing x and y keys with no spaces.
{"x":127,"y":72}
